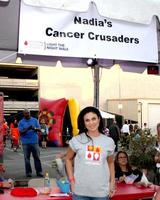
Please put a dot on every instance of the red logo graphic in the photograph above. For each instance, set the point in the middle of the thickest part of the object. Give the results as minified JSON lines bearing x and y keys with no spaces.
{"x":96,"y":156}
{"x":26,"y":43}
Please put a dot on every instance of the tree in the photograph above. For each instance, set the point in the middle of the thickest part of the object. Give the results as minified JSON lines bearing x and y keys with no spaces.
{"x":142,"y":150}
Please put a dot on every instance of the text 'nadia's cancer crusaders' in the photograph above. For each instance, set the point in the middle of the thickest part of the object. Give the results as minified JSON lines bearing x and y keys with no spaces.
{"x":91,"y":35}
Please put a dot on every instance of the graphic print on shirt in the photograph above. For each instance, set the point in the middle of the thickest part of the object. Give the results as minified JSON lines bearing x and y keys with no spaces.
{"x":93,"y":154}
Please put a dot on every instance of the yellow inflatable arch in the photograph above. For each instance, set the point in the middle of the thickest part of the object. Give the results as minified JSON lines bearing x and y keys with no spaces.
{"x":74,"y":110}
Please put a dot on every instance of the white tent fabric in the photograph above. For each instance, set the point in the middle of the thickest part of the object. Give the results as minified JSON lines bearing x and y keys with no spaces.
{"x":106,"y":115}
{"x":137,"y":11}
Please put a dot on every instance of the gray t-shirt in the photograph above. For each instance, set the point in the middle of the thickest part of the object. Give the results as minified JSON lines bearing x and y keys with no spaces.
{"x":91,"y":170}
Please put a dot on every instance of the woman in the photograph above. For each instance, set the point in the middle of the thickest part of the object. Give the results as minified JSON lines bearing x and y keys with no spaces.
{"x":157,"y":168}
{"x":158,"y":136}
{"x":15,"y":136}
{"x":5,"y":128}
{"x":124,"y":170}
{"x":93,"y":175}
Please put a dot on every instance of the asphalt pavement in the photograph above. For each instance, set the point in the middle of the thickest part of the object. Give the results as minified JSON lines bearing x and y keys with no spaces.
{"x":14,"y":162}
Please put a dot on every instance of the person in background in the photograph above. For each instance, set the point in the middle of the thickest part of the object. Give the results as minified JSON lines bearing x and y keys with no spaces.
{"x":145,"y":126}
{"x":114,"y":133}
{"x":157,"y":167}
{"x":28,"y":127}
{"x":158,"y":136}
{"x":125,"y":133}
{"x":123,"y":168}
{"x":145,"y":129}
{"x":92,"y":176}
{"x":14,"y":131}
{"x":131,"y":128}
{"x":44,"y":133}
{"x":137,"y":132}
{"x":157,"y":156}
{"x":106,"y":131}
{"x":4,"y":183}
{"x":5,"y":131}
{"x":125,"y":128}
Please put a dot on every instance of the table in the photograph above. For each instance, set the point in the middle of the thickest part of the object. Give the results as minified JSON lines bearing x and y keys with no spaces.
{"x":133,"y":192}
{"x":123,"y":192}
{"x":8,"y":196}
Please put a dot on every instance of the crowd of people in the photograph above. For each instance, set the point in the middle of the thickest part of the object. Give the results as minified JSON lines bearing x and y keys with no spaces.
{"x":121,"y":135}
{"x":27,"y":133}
{"x":93,"y":161}
{"x":11,"y":132}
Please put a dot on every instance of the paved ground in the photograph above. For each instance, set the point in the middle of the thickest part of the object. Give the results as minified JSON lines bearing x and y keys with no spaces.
{"x":14,"y":162}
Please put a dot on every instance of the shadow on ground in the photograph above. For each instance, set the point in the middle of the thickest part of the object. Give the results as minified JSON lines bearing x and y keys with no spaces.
{"x":14,"y":162}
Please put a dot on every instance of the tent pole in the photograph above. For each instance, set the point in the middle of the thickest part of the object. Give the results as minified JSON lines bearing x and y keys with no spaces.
{"x":96,"y":86}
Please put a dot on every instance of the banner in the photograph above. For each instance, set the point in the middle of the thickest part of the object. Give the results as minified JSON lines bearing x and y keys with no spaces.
{"x":53,"y":32}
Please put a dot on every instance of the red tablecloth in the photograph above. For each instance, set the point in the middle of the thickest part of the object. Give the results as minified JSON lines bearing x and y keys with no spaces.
{"x":132,"y":192}
{"x":123,"y":192}
{"x":8,"y":196}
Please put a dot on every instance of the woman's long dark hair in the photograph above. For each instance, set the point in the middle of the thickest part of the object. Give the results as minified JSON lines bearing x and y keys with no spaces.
{"x":117,"y":167}
{"x":81,"y":125}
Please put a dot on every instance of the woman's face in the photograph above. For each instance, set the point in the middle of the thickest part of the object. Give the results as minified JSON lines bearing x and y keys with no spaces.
{"x":122,"y":159}
{"x":158,"y":130}
{"x":91,"y":122}
{"x":157,"y":157}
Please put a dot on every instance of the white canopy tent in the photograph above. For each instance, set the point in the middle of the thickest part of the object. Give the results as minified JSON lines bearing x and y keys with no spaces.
{"x":139,"y":11}
{"x":106,"y":115}
{"x":128,"y":10}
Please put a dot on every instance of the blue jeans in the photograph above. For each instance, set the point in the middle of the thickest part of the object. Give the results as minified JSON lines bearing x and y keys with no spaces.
{"x":27,"y":150}
{"x":79,"y":197}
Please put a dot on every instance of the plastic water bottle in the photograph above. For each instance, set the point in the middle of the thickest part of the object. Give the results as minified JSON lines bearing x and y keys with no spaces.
{"x":47,"y":180}
{"x":67,"y":135}
{"x":47,"y":183}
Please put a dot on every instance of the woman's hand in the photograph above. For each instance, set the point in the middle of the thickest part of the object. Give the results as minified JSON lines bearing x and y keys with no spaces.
{"x":111,"y":193}
{"x":69,"y":167}
{"x":148,"y":184}
{"x":112,"y":189}
{"x":72,"y":187}
{"x":121,"y":178}
{"x":7,"y":184}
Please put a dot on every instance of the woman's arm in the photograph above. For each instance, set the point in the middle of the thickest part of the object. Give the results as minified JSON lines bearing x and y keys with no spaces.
{"x":119,"y":175}
{"x":139,"y":173}
{"x":6,"y":184}
{"x":110,"y":161}
{"x":69,"y":167}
